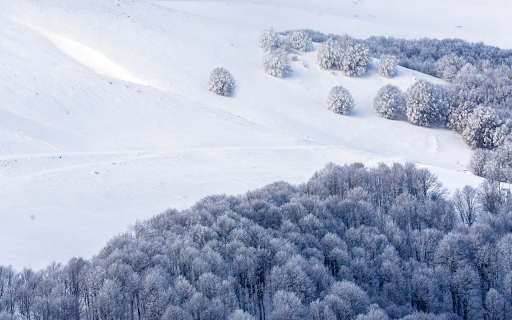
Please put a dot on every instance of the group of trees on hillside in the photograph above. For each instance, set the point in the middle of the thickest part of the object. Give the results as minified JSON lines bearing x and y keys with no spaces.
{"x":476,"y":101}
{"x":276,"y":62}
{"x":350,"y":57}
{"x":353,"y":243}
{"x":424,"y":54}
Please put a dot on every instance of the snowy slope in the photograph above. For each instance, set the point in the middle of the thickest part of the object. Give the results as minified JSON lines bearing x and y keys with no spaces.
{"x":104,"y":116}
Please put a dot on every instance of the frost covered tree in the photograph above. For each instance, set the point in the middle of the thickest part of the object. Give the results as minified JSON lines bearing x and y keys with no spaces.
{"x":448,"y":66}
{"x":300,"y":40}
{"x":467,"y":299}
{"x":221,"y":82}
{"x":329,"y":54}
{"x":241,"y":315}
{"x":387,"y":66}
{"x":269,"y":40}
{"x":425,"y":104}
{"x":485,"y":129}
{"x":287,"y":306}
{"x":494,"y":305}
{"x":389,"y":102}
{"x":375,"y":313}
{"x":276,"y":64}
{"x":458,"y":116}
{"x":466,"y":205}
{"x":355,"y":60}
{"x":319,"y":310}
{"x":352,"y":294}
{"x":490,"y":196}
{"x":340,"y":100}
{"x":478,"y":161}
{"x":176,"y":313}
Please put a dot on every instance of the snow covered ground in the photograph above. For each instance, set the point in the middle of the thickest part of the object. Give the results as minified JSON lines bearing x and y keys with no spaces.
{"x":104,"y":116}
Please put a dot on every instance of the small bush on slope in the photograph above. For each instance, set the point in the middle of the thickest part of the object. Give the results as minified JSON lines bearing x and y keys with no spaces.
{"x":355,"y":59}
{"x":387,"y":66}
{"x":425,"y":104}
{"x":329,"y":55}
{"x":389,"y":102}
{"x":340,"y":100}
{"x":276,"y":64}
{"x":269,"y":40}
{"x":221,"y":82}
{"x":300,"y":40}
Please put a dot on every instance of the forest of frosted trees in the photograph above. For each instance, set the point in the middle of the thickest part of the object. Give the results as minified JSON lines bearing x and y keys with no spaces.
{"x":351,"y":243}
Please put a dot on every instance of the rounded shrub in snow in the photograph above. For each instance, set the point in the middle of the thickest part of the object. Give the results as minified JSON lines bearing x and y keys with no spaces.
{"x":339,"y":101}
{"x":389,"y":102}
{"x":269,"y":40}
{"x":387,"y":66}
{"x":300,"y":40}
{"x":355,"y":59}
{"x":425,"y":104}
{"x":276,"y":64}
{"x":329,"y":54}
{"x":221,"y":82}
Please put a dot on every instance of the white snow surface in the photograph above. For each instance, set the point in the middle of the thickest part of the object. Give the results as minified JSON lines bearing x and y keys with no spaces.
{"x":105,"y":119}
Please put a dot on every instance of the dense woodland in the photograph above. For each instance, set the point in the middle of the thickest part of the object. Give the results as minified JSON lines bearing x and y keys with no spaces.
{"x":351,"y":243}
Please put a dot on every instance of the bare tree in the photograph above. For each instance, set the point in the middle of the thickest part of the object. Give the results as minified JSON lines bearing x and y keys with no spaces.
{"x":465,"y":202}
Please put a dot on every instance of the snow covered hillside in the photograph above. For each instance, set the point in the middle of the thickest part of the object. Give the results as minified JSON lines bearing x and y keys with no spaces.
{"x":105,"y":119}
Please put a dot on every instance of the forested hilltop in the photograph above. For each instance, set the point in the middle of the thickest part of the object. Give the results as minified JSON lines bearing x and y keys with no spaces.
{"x":351,"y":243}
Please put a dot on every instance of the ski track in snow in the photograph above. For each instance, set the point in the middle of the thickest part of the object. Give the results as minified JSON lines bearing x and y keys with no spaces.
{"x":88,"y":147}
